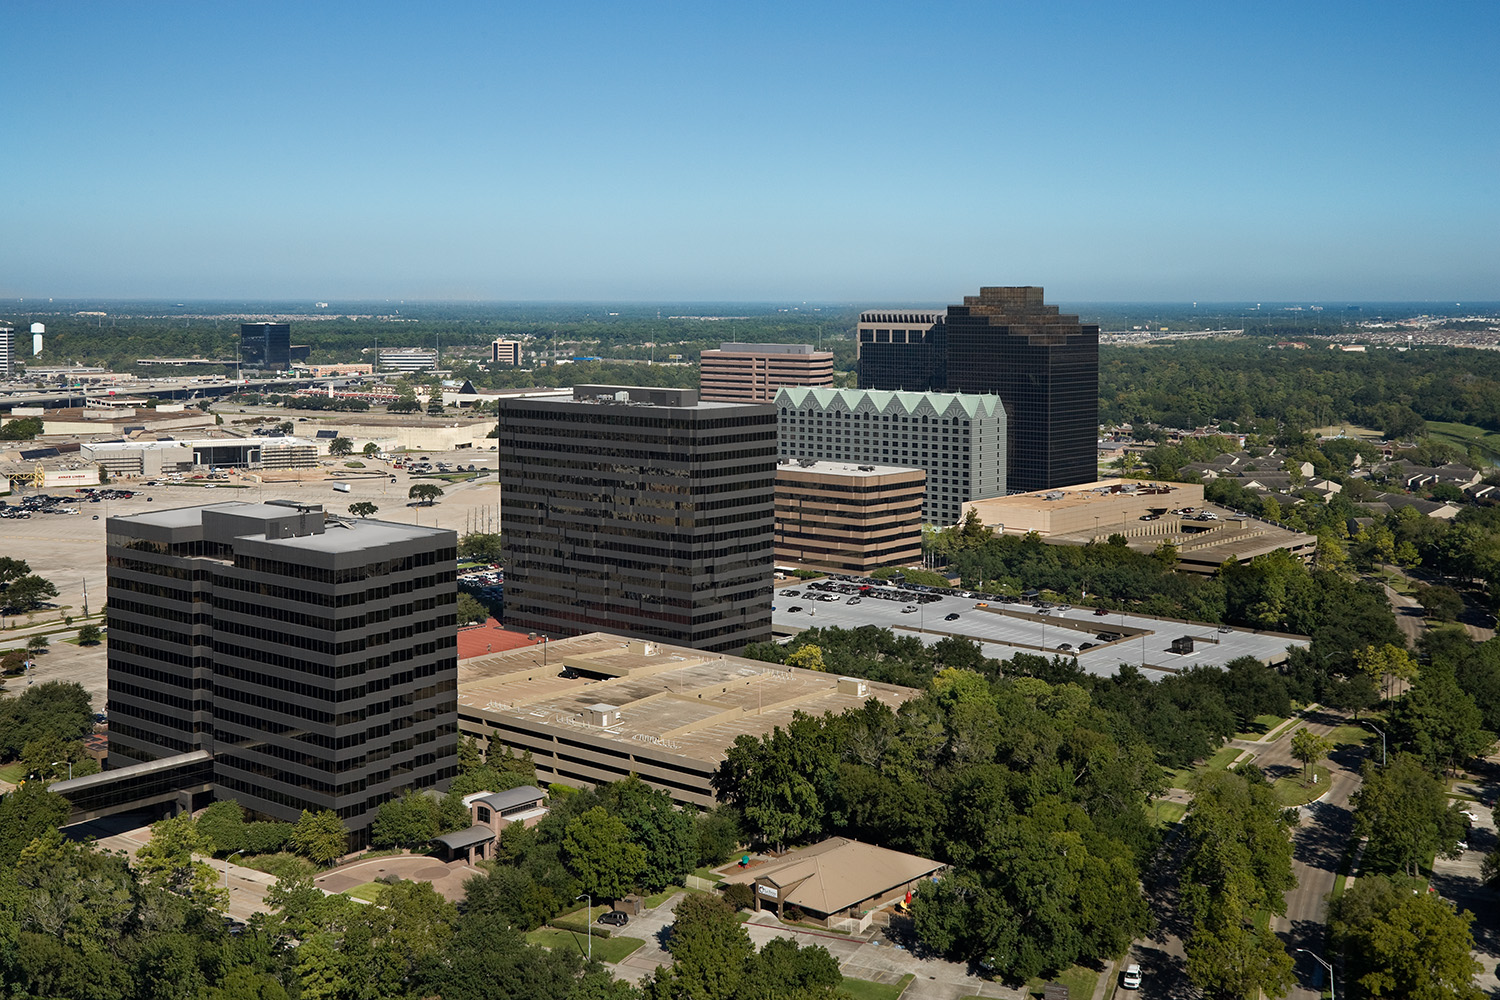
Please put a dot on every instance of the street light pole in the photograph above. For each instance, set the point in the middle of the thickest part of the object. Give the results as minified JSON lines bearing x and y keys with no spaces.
{"x":1332,"y":993}
{"x":1382,"y":740}
{"x":226,"y":869}
{"x":589,"y":929}
{"x":70,"y":767}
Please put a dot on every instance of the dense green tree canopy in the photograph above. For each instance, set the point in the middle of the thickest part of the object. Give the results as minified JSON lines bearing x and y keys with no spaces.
{"x":1405,"y":812}
{"x":1401,"y":941}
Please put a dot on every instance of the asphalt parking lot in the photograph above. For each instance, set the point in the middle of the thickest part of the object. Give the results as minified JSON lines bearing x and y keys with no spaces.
{"x":68,"y":549}
{"x":1006,"y":629}
{"x":1459,"y":880}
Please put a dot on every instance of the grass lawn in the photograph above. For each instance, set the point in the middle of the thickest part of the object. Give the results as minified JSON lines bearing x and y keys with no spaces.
{"x":652,"y":902}
{"x":1338,"y":887}
{"x":1218,"y":762}
{"x":1079,"y":981}
{"x":282,"y":864}
{"x":581,"y":919}
{"x":1261,"y":725}
{"x":1464,"y":435}
{"x":1355,"y":734}
{"x":13,"y":773}
{"x":1163,"y":813}
{"x":1290,"y":791}
{"x":865,"y":989}
{"x":1286,"y":727}
{"x":605,"y":949}
{"x":366,"y":892}
{"x":708,"y":873}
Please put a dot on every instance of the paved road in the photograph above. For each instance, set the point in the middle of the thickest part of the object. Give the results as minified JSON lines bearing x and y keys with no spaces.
{"x":1409,"y":617}
{"x":1318,"y":845}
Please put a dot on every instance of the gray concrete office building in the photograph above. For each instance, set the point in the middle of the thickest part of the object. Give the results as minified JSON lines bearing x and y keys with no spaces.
{"x":639,"y":511}
{"x":314,"y":656}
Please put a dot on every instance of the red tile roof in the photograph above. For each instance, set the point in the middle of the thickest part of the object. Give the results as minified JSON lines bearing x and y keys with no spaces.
{"x":490,"y":637}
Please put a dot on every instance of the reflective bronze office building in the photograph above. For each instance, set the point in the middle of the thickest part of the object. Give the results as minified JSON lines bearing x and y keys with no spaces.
{"x":1006,"y":341}
{"x":314,"y":656}
{"x":639,"y":511}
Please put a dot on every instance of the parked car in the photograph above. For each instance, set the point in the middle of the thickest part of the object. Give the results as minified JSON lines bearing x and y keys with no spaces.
{"x":852,"y":600}
{"x":614,"y":918}
{"x":794,"y":609}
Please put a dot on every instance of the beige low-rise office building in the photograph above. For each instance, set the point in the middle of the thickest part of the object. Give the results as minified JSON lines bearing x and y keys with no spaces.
{"x":1142,"y":513}
{"x":839,"y":883}
{"x":597,"y":708}
{"x":1086,"y":507}
{"x":751,"y":373}
{"x":846,"y":518}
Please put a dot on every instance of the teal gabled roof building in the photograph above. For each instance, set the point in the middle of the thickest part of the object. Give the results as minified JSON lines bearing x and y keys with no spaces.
{"x":958,"y":439}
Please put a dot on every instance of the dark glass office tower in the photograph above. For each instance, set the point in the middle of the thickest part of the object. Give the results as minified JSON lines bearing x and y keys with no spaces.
{"x":902,"y":351}
{"x":266,"y":345}
{"x":1044,"y":366}
{"x":314,"y":656}
{"x":641,"y":512}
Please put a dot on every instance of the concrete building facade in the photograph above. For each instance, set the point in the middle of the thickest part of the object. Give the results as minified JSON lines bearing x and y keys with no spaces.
{"x":639,"y":511}
{"x":155,"y":458}
{"x":408,"y":359}
{"x":506,"y":353}
{"x":314,"y":656}
{"x":751,"y":373}
{"x":1006,"y":341}
{"x":848,"y":518}
{"x":957,"y":440}
{"x":597,"y":708}
{"x":8,"y":359}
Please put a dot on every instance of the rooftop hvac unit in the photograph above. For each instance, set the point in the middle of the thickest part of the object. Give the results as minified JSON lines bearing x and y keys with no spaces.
{"x":602,"y":715}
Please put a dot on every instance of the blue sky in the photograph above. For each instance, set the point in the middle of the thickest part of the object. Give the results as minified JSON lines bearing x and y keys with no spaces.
{"x":861,"y":152}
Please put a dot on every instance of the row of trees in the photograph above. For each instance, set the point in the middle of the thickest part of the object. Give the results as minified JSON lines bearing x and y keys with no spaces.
{"x":44,"y":728}
{"x":1236,"y":870}
{"x":1030,"y":792}
{"x":21,"y":590}
{"x":77,"y":922}
{"x":1182,"y":717}
{"x":1242,"y":383}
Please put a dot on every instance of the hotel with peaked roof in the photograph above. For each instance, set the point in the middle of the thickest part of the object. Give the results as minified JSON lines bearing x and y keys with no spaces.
{"x":957,"y":439}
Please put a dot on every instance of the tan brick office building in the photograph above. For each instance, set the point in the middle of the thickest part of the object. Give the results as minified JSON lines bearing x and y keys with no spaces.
{"x":848,"y":518}
{"x":751,"y":373}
